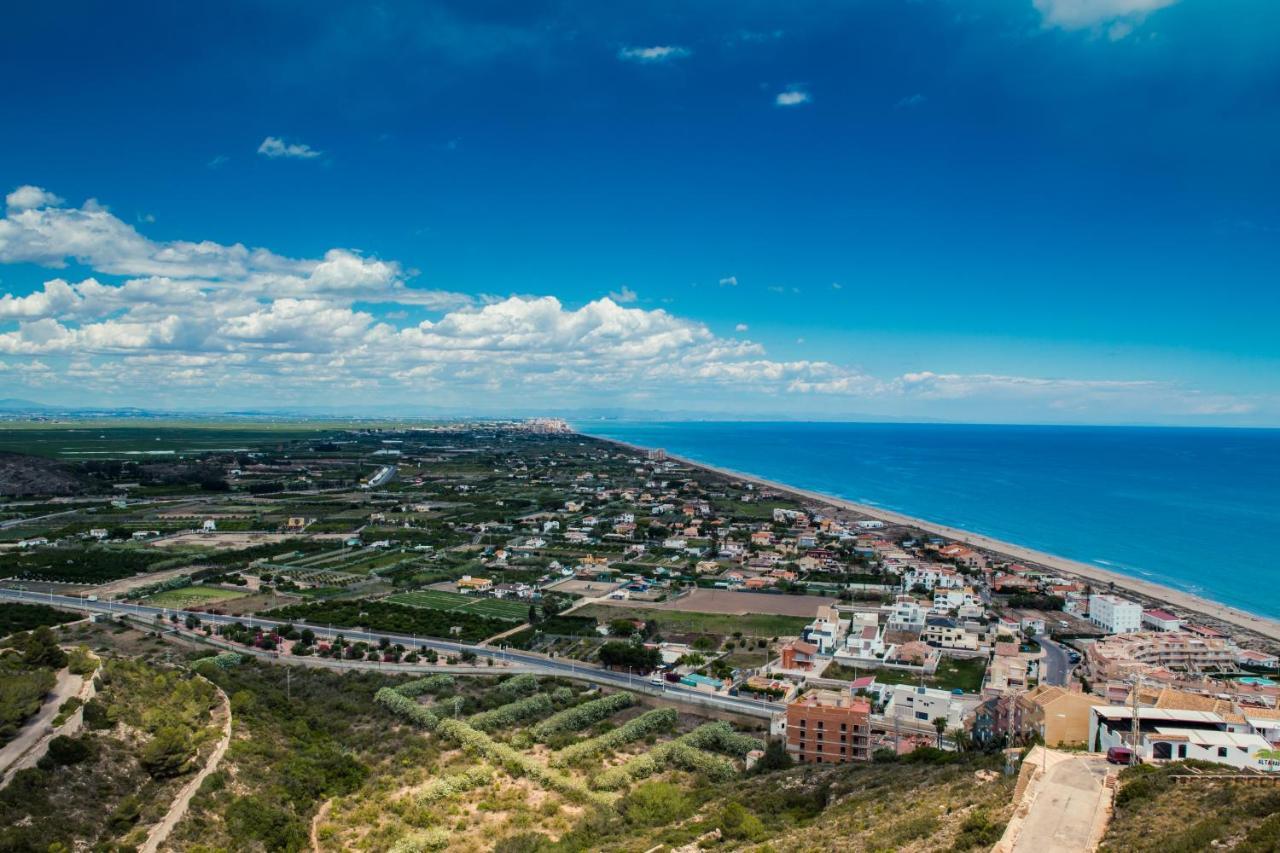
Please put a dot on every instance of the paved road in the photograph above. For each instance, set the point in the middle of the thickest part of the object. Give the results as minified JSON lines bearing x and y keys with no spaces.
{"x":550,"y":666}
{"x":17,"y":753}
{"x":1057,"y":666}
{"x":1066,"y":805}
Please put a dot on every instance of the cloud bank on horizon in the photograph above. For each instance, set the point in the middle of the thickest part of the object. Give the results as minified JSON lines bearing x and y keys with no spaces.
{"x":205,"y":321}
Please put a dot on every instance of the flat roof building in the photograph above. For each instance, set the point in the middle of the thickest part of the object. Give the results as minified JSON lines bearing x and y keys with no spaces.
{"x":829,"y":727}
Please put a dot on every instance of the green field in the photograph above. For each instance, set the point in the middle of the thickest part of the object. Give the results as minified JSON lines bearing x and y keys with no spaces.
{"x":192,"y":596}
{"x":437,"y":599}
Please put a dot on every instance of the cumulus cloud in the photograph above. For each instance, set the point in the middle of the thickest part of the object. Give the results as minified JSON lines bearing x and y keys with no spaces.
{"x":274,"y":146}
{"x":28,"y":197}
{"x":729,"y":281}
{"x":792,"y":97}
{"x":1081,"y":14}
{"x":202,"y":318}
{"x":657,"y":53}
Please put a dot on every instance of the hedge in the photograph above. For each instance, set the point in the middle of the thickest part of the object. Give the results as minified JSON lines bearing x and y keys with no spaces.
{"x":515,"y":763}
{"x":584,"y":715}
{"x":403,"y":706}
{"x":652,"y":722}
{"x":531,"y":707}
{"x":686,"y":752}
{"x":422,"y":686}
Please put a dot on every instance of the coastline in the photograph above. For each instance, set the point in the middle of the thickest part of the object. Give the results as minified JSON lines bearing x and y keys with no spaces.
{"x":1261,"y":625}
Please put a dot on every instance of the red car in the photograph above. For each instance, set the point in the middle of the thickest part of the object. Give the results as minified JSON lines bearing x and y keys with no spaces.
{"x":1121,"y":755}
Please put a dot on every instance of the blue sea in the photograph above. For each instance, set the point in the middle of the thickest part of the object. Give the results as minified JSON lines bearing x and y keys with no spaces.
{"x":1195,"y":509}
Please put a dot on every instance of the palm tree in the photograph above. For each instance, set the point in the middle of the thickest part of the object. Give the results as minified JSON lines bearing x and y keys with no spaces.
{"x":940,"y":723}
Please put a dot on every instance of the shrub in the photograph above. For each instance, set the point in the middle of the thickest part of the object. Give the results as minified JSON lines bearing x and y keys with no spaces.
{"x":406,"y":708}
{"x":978,"y":830}
{"x":168,"y":753}
{"x":655,"y":803}
{"x":653,"y":722}
{"x":68,"y":750}
{"x":436,"y":838}
{"x":432,"y":684}
{"x":739,"y":824}
{"x":584,"y":715}
{"x":517,"y":685}
{"x":445,"y":787}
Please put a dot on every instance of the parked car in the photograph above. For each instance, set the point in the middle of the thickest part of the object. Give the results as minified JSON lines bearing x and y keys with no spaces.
{"x":1122,"y":755}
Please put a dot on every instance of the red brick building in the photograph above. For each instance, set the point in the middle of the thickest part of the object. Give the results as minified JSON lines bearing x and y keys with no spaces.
{"x":828,"y":727}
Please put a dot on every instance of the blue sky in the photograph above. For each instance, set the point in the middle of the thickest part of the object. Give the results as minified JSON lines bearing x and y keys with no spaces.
{"x":990,"y":210}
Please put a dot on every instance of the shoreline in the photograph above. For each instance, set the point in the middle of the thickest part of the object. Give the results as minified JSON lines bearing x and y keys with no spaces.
{"x":1262,"y":625}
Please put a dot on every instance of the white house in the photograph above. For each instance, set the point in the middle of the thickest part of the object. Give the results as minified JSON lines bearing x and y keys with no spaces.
{"x":1169,"y":734}
{"x":906,"y":614}
{"x":1161,"y":620}
{"x":209,"y":526}
{"x":923,"y":705}
{"x":826,"y":630}
{"x":1114,"y":614}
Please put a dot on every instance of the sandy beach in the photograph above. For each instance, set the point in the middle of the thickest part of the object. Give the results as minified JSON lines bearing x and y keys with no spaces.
{"x":1269,"y":628}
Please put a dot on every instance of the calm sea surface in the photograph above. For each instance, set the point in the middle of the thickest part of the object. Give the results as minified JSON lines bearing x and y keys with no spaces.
{"x":1196,"y":509}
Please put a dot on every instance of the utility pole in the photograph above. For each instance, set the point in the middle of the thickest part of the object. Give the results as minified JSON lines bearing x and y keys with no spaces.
{"x":1133,"y":734}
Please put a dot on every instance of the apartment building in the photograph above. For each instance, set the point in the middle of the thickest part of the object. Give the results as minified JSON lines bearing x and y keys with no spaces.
{"x":1114,"y":614}
{"x":1124,"y":654}
{"x":829,"y":727}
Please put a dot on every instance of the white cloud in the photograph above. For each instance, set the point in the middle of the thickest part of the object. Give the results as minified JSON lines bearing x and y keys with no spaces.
{"x":729,"y":281}
{"x":28,"y":197}
{"x":910,"y":101}
{"x":792,"y":98}
{"x":1081,"y":14}
{"x":212,"y":321}
{"x":657,"y":53}
{"x":274,"y":146}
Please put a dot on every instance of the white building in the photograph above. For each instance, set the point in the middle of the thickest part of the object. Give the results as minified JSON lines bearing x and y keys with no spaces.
{"x":826,"y":630}
{"x":1114,"y":614}
{"x":1161,"y":620}
{"x":906,"y":614}
{"x":1169,"y":734}
{"x":922,"y":705}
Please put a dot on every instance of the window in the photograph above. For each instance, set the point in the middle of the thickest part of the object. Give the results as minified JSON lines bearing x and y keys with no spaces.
{"x":922,"y":715}
{"x":1182,"y":750}
{"x":1222,"y":752}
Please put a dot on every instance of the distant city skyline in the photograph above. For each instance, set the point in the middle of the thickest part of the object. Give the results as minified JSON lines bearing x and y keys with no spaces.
{"x":1018,"y":211}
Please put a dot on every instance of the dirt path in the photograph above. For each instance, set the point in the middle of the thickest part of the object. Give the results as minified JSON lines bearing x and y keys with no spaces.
{"x":33,"y":739}
{"x":315,"y":824}
{"x":160,"y":832}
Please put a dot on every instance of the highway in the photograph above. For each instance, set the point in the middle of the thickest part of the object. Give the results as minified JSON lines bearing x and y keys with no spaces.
{"x":563,"y":667}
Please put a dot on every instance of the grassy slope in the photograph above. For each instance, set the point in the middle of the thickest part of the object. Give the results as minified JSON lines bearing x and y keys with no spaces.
{"x":1153,"y":813}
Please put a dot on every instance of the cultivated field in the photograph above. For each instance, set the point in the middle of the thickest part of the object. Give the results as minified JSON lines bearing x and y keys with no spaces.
{"x":192,"y":596}
{"x":434,"y":599}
